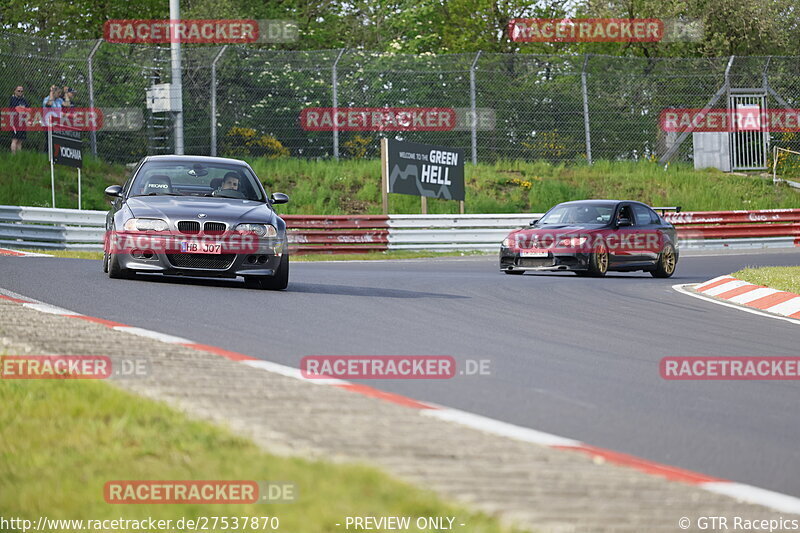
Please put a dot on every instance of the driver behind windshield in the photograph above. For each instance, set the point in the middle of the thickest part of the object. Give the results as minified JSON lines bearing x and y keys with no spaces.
{"x":231,"y":182}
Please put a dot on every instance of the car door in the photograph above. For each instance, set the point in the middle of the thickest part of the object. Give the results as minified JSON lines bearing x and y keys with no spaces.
{"x":647,"y":242}
{"x":622,"y":230}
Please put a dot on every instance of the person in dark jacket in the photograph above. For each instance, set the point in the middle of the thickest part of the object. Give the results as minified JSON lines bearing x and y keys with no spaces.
{"x":17,"y":101}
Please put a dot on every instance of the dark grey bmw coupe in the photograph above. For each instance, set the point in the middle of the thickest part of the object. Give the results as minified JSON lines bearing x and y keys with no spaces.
{"x":196,"y":216}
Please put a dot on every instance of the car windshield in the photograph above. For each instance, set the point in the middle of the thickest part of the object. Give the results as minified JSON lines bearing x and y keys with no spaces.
{"x":179,"y":178}
{"x":583,"y":214}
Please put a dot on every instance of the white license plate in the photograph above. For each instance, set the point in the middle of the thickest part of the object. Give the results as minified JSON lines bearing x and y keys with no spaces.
{"x":196,"y":247}
{"x":534,"y":254}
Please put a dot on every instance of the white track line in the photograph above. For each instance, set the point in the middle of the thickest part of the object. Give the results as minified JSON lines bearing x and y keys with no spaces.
{"x":497,"y":427}
{"x":163,"y":337}
{"x":748,"y":493}
{"x":49,"y":309}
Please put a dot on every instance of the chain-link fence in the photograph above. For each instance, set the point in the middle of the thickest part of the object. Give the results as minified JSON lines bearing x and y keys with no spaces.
{"x":242,"y":100}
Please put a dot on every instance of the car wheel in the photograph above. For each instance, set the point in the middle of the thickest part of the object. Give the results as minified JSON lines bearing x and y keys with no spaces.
{"x":667,"y":261}
{"x":278,"y":282}
{"x":514,"y":272}
{"x":115,"y":271}
{"x":598,"y":262}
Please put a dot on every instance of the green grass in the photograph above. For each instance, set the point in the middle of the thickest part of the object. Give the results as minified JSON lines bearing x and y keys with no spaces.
{"x":61,"y":441}
{"x":71,"y":254}
{"x":353,"y":186}
{"x":775,"y":277}
{"x":393,"y":254}
{"x":25,"y":180}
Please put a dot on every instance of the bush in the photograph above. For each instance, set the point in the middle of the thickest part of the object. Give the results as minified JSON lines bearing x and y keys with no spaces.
{"x":247,"y":142}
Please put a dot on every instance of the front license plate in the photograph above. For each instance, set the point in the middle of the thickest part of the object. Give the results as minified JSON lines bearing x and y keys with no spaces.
{"x":534,"y":254}
{"x":195,"y":247}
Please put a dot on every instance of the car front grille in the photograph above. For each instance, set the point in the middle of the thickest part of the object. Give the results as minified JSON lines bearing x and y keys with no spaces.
{"x":214,"y":228}
{"x":189,"y":226}
{"x":204,"y":261}
{"x":535,"y":262}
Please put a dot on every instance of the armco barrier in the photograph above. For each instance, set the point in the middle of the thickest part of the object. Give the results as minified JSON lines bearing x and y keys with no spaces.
{"x":71,"y":229}
{"x":453,"y":232}
{"x":37,"y":227}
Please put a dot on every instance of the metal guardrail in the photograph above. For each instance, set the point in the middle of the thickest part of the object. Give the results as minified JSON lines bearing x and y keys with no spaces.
{"x":45,"y":228}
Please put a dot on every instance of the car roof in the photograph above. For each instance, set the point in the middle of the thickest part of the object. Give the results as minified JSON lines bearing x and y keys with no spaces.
{"x":602,"y":202}
{"x":196,"y":159}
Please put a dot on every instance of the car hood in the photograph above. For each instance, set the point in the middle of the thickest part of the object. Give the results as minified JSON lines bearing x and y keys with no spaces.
{"x":558,"y":229}
{"x":188,"y":207}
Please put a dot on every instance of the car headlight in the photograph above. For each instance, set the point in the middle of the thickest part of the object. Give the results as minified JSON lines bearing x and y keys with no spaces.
{"x":571,"y":242}
{"x":146,"y":224}
{"x":507,"y":242}
{"x":262,"y":230}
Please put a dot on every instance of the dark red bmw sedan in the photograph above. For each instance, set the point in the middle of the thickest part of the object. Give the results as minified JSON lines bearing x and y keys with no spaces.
{"x":593,"y":237}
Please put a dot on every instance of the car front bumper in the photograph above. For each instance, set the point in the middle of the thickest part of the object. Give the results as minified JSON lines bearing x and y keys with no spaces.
{"x":555,"y":261}
{"x":261,"y":261}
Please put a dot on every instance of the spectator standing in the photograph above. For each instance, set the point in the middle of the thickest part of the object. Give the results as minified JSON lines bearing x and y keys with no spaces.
{"x":17,"y":102}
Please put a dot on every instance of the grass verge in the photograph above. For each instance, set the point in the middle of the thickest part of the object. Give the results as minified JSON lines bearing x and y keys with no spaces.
{"x":61,"y":441}
{"x":329,"y":187}
{"x":783,"y":278}
{"x":392,"y":254}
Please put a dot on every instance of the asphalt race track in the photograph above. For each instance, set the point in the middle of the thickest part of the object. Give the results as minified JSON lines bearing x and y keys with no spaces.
{"x":577,"y":357}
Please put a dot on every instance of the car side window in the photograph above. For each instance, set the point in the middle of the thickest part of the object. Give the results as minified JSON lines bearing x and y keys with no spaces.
{"x":625,"y":212}
{"x":654,"y":218}
{"x":642,"y":214}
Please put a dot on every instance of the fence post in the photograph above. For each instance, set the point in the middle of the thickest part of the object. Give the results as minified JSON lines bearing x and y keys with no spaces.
{"x":89,"y":64}
{"x":335,"y":87}
{"x":473,"y":108}
{"x":586,"y":110}
{"x":214,"y":101}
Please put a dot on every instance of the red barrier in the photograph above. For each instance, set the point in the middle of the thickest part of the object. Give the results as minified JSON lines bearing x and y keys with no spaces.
{"x":736,"y":224}
{"x":337,"y":234}
{"x":739,"y":231}
{"x":734,"y":217}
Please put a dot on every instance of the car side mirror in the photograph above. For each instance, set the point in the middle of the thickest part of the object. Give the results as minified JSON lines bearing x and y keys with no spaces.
{"x":114,"y":191}
{"x":278,"y":198}
{"x":534,"y":221}
{"x":624,"y":222}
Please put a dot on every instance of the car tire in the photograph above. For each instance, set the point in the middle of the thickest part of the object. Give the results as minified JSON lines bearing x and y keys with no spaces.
{"x":581,"y":273}
{"x":667,"y":261}
{"x":115,"y":271}
{"x":598,"y":261}
{"x":278,"y":282}
{"x":514,"y":272}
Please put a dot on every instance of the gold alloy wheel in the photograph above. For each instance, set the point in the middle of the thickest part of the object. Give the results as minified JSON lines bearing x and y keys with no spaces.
{"x":668,"y":259}
{"x":602,"y":259}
